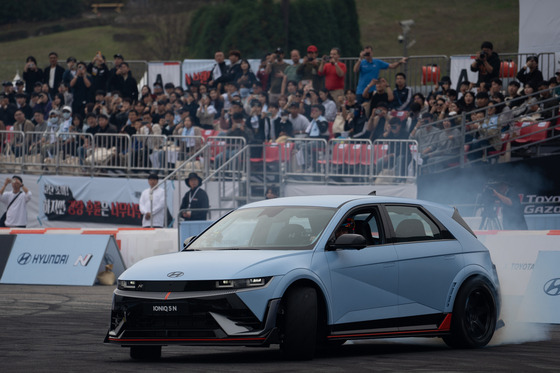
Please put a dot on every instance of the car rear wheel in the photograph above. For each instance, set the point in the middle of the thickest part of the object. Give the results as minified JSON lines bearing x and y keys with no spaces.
{"x":145,"y":352}
{"x":474,"y":315}
{"x":298,"y":323}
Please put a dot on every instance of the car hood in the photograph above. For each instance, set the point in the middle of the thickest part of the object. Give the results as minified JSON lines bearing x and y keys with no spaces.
{"x":219,"y":264}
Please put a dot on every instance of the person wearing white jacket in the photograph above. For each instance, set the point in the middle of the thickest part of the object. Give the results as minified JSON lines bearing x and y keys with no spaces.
{"x":152,"y":211}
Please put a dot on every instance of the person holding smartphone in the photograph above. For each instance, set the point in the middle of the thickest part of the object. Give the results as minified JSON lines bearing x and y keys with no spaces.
{"x":369,"y":68}
{"x":16,"y":201}
{"x":31,"y":74}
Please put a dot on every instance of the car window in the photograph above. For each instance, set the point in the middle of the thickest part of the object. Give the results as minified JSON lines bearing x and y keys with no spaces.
{"x":280,"y":227}
{"x":410,"y":223}
{"x":364,"y":222}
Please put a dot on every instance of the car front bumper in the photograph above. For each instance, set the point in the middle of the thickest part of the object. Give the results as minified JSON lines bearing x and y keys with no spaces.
{"x":211,"y":318}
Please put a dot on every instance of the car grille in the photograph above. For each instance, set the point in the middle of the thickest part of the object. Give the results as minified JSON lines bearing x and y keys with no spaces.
{"x":133,"y":317}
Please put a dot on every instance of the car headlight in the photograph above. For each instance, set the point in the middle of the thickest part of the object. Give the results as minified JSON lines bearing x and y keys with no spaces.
{"x":244,"y":283}
{"x":126,"y":285}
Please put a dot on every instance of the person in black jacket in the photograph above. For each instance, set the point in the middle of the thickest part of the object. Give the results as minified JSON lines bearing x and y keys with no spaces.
{"x":194,"y":205}
{"x":52,"y":74}
{"x":530,"y":73}
{"x":31,"y":74}
{"x":125,"y":82}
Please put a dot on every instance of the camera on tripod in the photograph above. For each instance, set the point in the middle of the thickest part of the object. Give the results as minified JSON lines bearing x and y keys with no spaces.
{"x":487,"y":196}
{"x":489,"y":203}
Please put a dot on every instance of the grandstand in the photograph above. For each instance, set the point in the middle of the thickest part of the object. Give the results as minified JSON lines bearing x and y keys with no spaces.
{"x":241,"y":171}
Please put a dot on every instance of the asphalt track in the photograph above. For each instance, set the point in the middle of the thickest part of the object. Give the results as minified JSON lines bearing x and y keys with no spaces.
{"x":61,"y":329}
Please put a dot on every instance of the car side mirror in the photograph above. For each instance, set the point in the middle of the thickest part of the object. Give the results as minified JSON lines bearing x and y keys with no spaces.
{"x":188,"y":241}
{"x":348,"y":241}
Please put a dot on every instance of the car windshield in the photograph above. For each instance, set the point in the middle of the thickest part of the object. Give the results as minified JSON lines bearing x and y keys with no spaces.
{"x":278,"y":227}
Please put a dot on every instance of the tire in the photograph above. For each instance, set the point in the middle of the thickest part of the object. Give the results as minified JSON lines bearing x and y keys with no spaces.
{"x":298,"y":324}
{"x":474,"y":315}
{"x":145,"y":353}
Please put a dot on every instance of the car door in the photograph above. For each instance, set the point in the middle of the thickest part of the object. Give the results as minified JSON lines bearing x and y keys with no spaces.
{"x":429,"y":258}
{"x":364,"y":282}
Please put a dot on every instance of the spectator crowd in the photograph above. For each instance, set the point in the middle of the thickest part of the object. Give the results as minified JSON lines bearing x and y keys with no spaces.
{"x":306,"y":98}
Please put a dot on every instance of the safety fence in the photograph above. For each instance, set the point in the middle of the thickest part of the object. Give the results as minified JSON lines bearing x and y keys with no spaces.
{"x":494,"y":136}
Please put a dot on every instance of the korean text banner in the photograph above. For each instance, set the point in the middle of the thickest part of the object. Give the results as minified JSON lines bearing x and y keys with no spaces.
{"x":95,"y":200}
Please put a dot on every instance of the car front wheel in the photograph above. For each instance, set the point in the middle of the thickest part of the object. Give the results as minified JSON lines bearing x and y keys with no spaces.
{"x":474,"y":315}
{"x":298,"y":323}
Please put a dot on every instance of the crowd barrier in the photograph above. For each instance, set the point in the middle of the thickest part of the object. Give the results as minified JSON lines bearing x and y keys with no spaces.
{"x":526,"y":261}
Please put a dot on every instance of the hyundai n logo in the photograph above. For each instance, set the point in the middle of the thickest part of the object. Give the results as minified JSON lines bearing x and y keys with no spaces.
{"x":24,"y":258}
{"x":175,"y":274}
{"x":552,"y":287}
{"x":83,"y":260}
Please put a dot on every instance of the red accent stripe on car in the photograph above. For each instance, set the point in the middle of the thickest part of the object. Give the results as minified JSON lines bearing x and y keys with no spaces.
{"x":184,"y":339}
{"x":167,"y":296}
{"x":446,"y":324}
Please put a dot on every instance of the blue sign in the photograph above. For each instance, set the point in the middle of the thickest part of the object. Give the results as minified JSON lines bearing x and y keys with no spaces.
{"x":60,"y":259}
{"x":541,"y":303}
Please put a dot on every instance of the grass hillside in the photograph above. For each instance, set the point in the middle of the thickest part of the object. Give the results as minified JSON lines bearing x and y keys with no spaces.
{"x":441,"y":27}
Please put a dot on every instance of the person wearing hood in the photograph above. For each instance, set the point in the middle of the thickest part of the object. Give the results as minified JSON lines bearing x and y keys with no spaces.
{"x":194,"y":205}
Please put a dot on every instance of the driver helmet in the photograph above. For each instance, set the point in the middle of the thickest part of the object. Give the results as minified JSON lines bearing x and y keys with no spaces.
{"x":349,"y":224}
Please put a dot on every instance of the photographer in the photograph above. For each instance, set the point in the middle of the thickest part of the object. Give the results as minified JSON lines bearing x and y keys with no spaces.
{"x":99,"y":72}
{"x":126,"y":84}
{"x":81,"y":88}
{"x":487,"y":64}
{"x":334,"y":72}
{"x":16,"y":211}
{"x":382,"y":92}
{"x":309,"y":69}
{"x":512,"y":211}
{"x":275,"y":68}
{"x":31,"y":74}
{"x":376,"y":124}
{"x":369,"y":69}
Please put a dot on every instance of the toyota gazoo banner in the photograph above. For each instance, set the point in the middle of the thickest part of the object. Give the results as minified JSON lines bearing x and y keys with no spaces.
{"x":94,"y":200}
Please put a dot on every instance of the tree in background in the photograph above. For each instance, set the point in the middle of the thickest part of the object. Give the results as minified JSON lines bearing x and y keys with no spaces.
{"x":257,"y":27}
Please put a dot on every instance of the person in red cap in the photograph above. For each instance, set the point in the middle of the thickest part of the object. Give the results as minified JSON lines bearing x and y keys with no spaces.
{"x":309,"y":69}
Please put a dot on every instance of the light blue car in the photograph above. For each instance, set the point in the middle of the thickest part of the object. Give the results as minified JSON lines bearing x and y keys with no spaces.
{"x":312,"y":272}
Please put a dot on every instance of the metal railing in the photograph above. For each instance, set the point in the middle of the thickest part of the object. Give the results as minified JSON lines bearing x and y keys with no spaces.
{"x":350,"y":160}
{"x":394,"y":160}
{"x":483,"y":142}
{"x":307,"y":160}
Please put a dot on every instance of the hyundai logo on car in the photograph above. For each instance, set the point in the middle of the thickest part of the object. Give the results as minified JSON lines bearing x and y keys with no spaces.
{"x":175,"y":274}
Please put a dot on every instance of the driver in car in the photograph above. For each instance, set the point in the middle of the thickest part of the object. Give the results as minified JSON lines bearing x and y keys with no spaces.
{"x":346,"y":227}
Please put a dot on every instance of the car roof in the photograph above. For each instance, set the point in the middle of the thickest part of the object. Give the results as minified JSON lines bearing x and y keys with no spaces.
{"x":333,"y":201}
